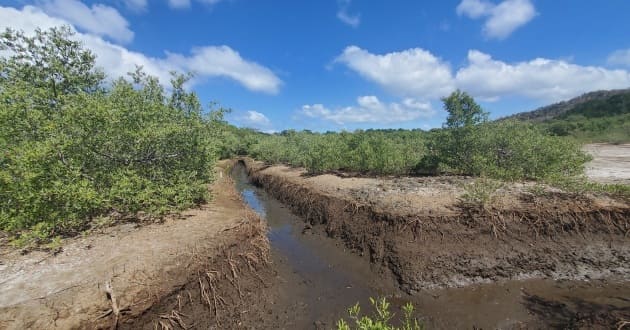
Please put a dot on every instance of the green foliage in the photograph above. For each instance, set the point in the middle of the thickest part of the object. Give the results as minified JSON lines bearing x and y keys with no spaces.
{"x":480,"y":192}
{"x":580,"y":185}
{"x":614,"y":128}
{"x":73,"y":150}
{"x":463,"y":111}
{"x":468,"y":145}
{"x":602,"y":116}
{"x":507,"y":150}
{"x":375,"y":152}
{"x":381,"y":320}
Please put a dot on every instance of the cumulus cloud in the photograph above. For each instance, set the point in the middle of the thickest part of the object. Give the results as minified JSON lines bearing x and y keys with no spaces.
{"x":474,"y":8}
{"x":256,"y":120}
{"x":620,"y":58}
{"x":223,"y":61}
{"x":413,"y":72}
{"x":136,"y":5}
{"x":369,"y":109}
{"x":344,"y":16}
{"x":99,"y":19}
{"x":206,"y":62}
{"x":501,"y":19}
{"x":539,"y":78}
{"x":181,"y":4}
{"x":419,"y":74}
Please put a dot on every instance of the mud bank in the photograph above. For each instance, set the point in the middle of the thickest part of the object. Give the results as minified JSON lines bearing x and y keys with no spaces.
{"x":426,"y":240}
{"x":200,"y":270}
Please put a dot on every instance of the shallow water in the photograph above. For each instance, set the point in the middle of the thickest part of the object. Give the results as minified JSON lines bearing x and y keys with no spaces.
{"x":319,"y":279}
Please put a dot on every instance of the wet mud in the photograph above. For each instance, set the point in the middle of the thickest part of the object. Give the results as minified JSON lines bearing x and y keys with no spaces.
{"x":459,"y":274}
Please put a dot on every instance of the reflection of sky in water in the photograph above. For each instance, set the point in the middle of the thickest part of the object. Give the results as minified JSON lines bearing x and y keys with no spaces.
{"x":330,"y":289}
{"x":252,"y":200}
{"x":281,"y":234}
{"x":281,"y":227}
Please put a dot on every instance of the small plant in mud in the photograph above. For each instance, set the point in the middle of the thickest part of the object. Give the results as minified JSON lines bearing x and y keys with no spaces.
{"x":537,"y":190}
{"x":480,"y":192}
{"x":381,"y":320}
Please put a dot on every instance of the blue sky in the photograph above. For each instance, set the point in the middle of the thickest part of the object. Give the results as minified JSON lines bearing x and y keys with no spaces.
{"x":348,"y":64}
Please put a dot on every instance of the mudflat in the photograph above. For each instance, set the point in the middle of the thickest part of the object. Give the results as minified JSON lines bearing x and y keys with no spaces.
{"x":610,"y":164}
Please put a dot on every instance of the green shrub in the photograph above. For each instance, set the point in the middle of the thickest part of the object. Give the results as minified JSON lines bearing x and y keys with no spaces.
{"x":507,"y":150}
{"x":374,"y":152}
{"x":480,"y":192}
{"x":381,"y":319}
{"x":73,"y":149}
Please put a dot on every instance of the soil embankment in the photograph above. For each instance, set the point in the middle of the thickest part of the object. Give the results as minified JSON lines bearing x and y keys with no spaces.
{"x":202,"y":269}
{"x":417,"y":230}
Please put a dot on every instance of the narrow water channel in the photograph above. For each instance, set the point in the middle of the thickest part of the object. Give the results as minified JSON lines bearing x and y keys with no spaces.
{"x":319,"y":280}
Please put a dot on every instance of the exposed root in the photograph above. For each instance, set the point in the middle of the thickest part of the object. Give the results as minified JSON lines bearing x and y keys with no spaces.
{"x":234,"y":279}
{"x":175,"y":319}
{"x":115,"y":309}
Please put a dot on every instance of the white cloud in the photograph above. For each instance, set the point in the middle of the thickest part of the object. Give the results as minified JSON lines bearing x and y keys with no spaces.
{"x":540,"y":78}
{"x":419,"y":74}
{"x":474,"y":8}
{"x":223,"y":61}
{"x":210,"y":61}
{"x":344,"y":16}
{"x":413,"y":72}
{"x":181,"y":4}
{"x":501,"y":19}
{"x":620,"y":57}
{"x":99,"y":19}
{"x":370,"y":109}
{"x":137,"y":5}
{"x":255,"y":119}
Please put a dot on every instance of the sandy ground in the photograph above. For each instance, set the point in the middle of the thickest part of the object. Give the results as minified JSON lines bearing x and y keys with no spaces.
{"x":423,"y":196}
{"x":610,"y":164}
{"x":143,"y":263}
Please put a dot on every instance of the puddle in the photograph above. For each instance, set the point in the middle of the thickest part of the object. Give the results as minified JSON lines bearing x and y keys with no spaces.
{"x":319,"y":280}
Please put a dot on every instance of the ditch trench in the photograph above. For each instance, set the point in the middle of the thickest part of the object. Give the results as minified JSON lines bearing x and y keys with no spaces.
{"x":318,"y":276}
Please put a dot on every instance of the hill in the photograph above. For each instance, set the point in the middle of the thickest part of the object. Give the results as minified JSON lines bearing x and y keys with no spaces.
{"x":601,"y":116}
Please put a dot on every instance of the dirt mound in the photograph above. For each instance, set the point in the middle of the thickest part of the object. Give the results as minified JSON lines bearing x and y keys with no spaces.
{"x":416,"y":228}
{"x":199,"y":269}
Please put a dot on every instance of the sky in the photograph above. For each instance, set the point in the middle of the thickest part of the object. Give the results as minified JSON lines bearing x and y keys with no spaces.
{"x":352,"y":64}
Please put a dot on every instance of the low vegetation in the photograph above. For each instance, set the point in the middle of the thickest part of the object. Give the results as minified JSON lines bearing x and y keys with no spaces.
{"x":75,"y":147}
{"x":382,"y":319}
{"x":602,"y":116}
{"x":467,"y":145}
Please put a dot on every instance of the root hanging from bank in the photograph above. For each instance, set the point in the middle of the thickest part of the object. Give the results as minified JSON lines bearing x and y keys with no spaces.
{"x":216,"y":295}
{"x":555,"y":236}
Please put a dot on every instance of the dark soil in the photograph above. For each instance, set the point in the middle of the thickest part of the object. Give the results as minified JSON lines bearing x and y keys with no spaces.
{"x":539,"y":241}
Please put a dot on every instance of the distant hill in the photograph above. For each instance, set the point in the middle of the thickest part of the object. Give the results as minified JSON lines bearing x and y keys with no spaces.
{"x":593,"y":104}
{"x":602,"y":116}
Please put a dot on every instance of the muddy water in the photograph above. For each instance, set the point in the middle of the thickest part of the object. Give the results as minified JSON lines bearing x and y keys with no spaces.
{"x":318,"y":280}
